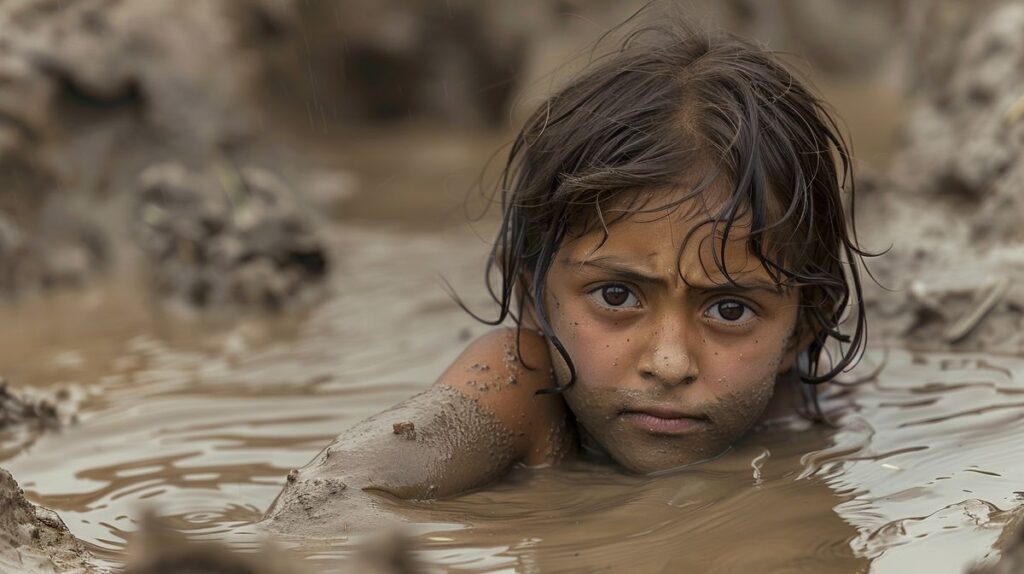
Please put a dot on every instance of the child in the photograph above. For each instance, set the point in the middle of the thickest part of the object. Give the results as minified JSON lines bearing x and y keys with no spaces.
{"x":675,"y":255}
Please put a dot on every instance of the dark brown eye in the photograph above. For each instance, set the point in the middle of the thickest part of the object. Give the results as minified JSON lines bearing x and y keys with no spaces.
{"x":615,"y":295}
{"x":731,"y":310}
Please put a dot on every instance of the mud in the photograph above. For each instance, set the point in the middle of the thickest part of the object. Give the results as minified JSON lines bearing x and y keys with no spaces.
{"x":1011,"y":547}
{"x":385,"y":61}
{"x":951,"y":202}
{"x":242,"y":241}
{"x":436,"y":444}
{"x":79,"y":80}
{"x":42,"y":410}
{"x":120,"y":52}
{"x":60,"y":250}
{"x":34,"y":539}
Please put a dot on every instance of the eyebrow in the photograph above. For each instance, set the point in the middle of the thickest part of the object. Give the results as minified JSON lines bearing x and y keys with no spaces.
{"x":625,"y":271}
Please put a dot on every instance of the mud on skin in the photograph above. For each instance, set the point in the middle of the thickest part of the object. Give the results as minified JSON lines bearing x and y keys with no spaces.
{"x":435,"y":444}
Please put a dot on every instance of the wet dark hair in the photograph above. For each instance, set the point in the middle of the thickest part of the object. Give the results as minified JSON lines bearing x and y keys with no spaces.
{"x":672,"y":101}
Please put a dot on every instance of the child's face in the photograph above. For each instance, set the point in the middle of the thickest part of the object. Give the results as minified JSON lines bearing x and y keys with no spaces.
{"x":668,"y":372}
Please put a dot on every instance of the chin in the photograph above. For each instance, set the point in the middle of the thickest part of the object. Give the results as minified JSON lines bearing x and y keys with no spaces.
{"x":664,"y":462}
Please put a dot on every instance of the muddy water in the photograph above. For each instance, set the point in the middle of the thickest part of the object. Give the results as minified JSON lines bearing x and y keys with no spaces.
{"x":203,"y":419}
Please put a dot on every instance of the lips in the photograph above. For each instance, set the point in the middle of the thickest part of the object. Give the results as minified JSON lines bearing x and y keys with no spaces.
{"x":660,"y":420}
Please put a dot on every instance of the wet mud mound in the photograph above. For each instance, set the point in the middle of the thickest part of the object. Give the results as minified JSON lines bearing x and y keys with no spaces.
{"x":951,"y":205}
{"x":1011,"y":547}
{"x":75,"y":78}
{"x":455,"y":61}
{"x":159,"y":549}
{"x":16,"y":409}
{"x":238,"y":238}
{"x":34,"y":540}
{"x":61,"y":250}
{"x":171,"y":62}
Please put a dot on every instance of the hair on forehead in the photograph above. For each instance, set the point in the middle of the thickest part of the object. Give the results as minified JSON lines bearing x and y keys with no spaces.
{"x":680,"y":118}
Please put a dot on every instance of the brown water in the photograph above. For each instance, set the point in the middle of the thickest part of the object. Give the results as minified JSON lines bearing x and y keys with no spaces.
{"x":203,"y":419}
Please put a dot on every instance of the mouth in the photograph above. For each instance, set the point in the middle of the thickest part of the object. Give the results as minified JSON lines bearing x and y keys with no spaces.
{"x":664,"y":421}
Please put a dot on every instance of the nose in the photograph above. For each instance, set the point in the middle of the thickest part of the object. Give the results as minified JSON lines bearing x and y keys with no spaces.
{"x":667,"y":359}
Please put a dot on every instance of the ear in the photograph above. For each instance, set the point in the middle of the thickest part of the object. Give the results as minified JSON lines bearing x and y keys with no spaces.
{"x":802,"y":337}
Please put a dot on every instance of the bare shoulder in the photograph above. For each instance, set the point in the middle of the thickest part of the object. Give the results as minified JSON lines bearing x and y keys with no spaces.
{"x":503,"y":370}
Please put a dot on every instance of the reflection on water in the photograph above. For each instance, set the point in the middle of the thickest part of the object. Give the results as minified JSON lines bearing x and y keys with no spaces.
{"x":920,"y":471}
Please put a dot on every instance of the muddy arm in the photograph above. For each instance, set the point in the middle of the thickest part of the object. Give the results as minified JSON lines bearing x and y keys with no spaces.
{"x":481,"y":417}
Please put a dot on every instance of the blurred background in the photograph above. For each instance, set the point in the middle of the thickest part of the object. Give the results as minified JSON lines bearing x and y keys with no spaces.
{"x":381,"y":111}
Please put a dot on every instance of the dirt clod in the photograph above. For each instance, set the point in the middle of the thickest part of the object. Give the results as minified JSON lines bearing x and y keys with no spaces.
{"x":228,"y":238}
{"x":405,"y":429}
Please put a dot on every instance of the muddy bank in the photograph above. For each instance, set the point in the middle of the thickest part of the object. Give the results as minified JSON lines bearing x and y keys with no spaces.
{"x":79,"y":83}
{"x":950,"y":207}
{"x":35,"y":540}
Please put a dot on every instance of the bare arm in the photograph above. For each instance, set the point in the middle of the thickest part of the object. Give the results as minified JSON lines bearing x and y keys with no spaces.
{"x":482,"y":416}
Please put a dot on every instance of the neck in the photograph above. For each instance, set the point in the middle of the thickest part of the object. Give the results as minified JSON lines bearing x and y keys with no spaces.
{"x":786,"y":401}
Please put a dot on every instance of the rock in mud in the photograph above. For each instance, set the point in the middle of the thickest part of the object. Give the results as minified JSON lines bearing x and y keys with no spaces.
{"x":951,"y":206}
{"x":242,"y":241}
{"x":16,"y":409}
{"x":34,"y":540}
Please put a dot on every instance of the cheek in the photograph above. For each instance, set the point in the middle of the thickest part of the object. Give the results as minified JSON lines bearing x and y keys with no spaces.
{"x":596,"y":348}
{"x":743,"y":366}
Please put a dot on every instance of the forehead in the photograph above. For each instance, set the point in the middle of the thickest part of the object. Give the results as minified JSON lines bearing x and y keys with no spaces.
{"x":681,"y":238}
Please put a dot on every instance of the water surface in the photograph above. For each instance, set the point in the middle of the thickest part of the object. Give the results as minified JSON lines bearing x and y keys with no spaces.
{"x":202,"y":419}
